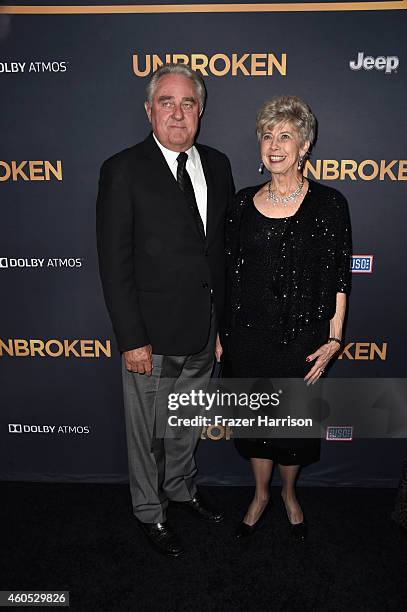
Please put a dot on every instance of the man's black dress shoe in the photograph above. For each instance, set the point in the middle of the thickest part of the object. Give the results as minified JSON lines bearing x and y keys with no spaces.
{"x":162,"y":538}
{"x":200,"y":509}
{"x":244,"y":531}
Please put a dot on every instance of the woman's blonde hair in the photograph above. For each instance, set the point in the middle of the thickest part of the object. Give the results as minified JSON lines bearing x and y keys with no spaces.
{"x":290,"y":109}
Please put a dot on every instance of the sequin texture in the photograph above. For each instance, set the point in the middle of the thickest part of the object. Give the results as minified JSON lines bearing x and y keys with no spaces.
{"x":308,"y":260}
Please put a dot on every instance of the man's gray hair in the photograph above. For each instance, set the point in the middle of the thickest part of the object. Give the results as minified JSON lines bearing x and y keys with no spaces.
{"x":180,"y":69}
{"x":291,"y":109}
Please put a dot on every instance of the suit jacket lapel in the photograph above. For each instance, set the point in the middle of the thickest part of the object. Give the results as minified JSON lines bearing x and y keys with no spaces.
{"x":152,"y":151}
{"x":210,"y":205}
{"x":168,"y":181}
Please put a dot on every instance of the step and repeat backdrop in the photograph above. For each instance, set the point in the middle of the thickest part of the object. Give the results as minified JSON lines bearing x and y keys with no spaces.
{"x":72,"y":82}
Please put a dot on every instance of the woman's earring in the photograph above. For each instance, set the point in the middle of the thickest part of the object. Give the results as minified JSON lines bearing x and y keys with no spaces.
{"x":300,"y":161}
{"x":261,"y":168}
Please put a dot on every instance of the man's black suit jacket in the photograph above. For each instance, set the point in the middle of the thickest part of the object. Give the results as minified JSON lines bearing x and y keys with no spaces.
{"x":157,"y":271}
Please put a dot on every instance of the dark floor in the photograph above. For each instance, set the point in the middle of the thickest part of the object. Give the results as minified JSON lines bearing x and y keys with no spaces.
{"x":83,"y":538}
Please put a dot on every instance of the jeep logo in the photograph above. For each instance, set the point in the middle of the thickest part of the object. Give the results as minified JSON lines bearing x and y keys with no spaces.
{"x":389,"y":64}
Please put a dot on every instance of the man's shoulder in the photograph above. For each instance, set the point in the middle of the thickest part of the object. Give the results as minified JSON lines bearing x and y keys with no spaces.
{"x":212,"y":153}
{"x":122,"y":158}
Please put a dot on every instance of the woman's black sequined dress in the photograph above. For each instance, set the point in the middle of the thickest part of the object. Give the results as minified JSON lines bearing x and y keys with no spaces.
{"x":273,"y":323}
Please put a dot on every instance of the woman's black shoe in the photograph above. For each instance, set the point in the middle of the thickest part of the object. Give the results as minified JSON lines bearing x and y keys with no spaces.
{"x":299,"y":531}
{"x":244,"y":531}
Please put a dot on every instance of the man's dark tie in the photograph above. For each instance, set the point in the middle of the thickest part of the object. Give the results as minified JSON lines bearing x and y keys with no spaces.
{"x":185,"y":184}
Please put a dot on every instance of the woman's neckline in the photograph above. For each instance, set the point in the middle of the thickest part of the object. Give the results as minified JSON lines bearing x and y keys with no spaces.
{"x":282,"y":218}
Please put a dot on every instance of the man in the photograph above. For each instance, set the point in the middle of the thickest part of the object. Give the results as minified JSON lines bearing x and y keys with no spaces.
{"x":160,"y":225}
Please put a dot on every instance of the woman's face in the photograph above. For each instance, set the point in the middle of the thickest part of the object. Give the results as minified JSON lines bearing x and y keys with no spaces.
{"x":280,"y":148}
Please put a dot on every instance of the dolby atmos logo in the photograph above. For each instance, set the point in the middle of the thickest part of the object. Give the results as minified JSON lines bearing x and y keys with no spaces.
{"x":33,"y":67}
{"x":19,"y":428}
{"x":39,"y":263}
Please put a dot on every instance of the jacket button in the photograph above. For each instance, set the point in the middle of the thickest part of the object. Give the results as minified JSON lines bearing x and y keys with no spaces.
{"x":205,"y":285}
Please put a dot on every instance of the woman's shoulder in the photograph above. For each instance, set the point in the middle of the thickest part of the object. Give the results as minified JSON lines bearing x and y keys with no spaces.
{"x":245,"y":195}
{"x":331,"y":201}
{"x":325,"y":194}
{"x":239,"y":204}
{"x":248,"y":192}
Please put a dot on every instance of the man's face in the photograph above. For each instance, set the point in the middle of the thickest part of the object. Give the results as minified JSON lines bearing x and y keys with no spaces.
{"x":174,"y":112}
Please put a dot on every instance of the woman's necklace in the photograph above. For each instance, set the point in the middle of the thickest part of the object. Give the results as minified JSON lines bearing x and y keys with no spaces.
{"x":284,"y":200}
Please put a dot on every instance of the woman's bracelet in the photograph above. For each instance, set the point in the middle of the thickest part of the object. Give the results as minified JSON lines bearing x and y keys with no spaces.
{"x":332,"y":339}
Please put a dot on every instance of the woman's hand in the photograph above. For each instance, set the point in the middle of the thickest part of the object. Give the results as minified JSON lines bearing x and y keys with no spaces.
{"x":323,"y":355}
{"x":218,"y":349}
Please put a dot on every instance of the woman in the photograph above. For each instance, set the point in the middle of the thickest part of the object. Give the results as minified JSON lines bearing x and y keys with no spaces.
{"x":289,"y":274}
{"x":399,"y":514}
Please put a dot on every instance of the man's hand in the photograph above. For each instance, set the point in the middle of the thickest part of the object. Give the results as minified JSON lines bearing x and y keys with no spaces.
{"x":218,"y":349}
{"x":139,"y":360}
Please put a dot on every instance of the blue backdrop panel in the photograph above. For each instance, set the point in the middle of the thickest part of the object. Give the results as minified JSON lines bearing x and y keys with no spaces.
{"x":70,"y":98}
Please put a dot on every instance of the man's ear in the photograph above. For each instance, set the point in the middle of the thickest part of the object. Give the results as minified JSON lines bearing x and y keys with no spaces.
{"x":147,"y":106}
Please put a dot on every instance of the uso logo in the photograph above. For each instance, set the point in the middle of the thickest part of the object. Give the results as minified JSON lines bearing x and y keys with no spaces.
{"x":362,"y":264}
{"x":339,"y":433}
